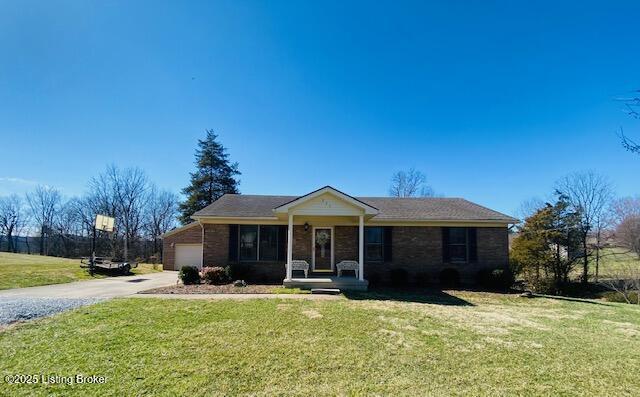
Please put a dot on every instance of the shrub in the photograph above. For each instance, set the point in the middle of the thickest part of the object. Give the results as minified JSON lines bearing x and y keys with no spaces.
{"x":374,"y":279}
{"x":189,"y":275}
{"x":613,"y":296}
{"x":239,"y":271}
{"x":399,"y":277}
{"x":422,"y":279}
{"x":449,"y":278}
{"x":215,"y":275}
{"x":498,"y":279}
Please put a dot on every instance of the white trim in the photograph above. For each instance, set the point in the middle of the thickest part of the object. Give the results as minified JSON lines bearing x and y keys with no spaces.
{"x":313,"y":247}
{"x":369,"y":210}
{"x":289,"y":248}
{"x":369,"y":222}
{"x":179,"y":229}
{"x":202,"y":243}
{"x":361,"y":248}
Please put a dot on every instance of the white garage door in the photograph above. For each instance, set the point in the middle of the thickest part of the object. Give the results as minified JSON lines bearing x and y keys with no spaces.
{"x":188,"y":254}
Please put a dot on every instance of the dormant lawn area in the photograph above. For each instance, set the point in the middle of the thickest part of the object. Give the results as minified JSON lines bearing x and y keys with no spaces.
{"x":21,"y":270}
{"x":467,"y":343}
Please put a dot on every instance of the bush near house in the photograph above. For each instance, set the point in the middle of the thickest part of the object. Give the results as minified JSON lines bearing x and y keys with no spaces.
{"x":399,"y":277}
{"x":215,"y":275}
{"x":449,"y":278}
{"x":495,"y":279}
{"x":189,"y":275}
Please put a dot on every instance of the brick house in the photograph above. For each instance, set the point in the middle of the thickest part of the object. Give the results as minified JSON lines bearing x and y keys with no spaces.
{"x":271,"y":237}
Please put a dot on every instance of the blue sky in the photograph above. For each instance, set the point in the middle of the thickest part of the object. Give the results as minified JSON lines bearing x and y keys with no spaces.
{"x":493,"y":101}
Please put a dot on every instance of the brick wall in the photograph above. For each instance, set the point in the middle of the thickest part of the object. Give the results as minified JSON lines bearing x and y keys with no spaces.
{"x":216,"y":245}
{"x":192,"y":235}
{"x":346,"y":243}
{"x":416,"y":249}
{"x":302,"y":243}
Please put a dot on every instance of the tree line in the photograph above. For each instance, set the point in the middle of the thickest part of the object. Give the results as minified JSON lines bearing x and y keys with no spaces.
{"x":64,"y":226}
{"x":44,"y":221}
{"x":567,"y":234}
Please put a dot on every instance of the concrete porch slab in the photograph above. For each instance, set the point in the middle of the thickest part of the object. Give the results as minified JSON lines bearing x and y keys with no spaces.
{"x":341,"y":283}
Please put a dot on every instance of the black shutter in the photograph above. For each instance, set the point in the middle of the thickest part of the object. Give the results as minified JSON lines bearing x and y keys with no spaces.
{"x":282,"y":243}
{"x":388,"y":246}
{"x":446,"y":257}
{"x":473,"y":244}
{"x":233,"y":243}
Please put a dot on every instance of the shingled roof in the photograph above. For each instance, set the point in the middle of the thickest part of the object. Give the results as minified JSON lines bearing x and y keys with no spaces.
{"x":390,"y":208}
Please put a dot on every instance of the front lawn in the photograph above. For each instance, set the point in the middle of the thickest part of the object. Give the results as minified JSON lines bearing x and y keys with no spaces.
{"x":22,"y":270}
{"x":465,"y":343}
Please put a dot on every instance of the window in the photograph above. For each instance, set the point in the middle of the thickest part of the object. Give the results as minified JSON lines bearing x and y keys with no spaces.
{"x":373,"y":244}
{"x":458,"y":244}
{"x":248,"y":242}
{"x":256,"y":243}
{"x":268,"y":243}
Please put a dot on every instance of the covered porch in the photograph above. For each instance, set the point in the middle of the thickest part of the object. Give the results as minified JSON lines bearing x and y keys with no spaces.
{"x":327,"y":220}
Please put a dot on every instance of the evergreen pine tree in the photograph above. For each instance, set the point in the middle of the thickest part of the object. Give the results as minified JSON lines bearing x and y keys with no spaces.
{"x":215,"y":175}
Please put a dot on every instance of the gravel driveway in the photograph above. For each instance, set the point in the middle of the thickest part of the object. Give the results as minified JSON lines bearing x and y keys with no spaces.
{"x":20,"y":309}
{"x":27,"y":303}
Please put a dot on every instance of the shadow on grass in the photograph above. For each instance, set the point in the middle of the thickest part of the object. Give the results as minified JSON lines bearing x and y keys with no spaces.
{"x":571,"y":299}
{"x":417,"y":295}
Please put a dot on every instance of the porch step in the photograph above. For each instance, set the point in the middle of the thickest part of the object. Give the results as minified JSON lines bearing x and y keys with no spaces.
{"x":342,"y":283}
{"x":325,"y":291}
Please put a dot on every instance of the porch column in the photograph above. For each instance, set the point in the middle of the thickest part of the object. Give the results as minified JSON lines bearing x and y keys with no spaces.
{"x":289,"y":247}
{"x":361,"y":249}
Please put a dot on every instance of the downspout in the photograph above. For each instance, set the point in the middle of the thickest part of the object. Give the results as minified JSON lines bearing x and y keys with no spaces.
{"x":202,"y":240}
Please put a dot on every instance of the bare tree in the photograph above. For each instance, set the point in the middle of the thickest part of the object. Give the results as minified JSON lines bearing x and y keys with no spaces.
{"x":44,"y":202}
{"x":632,"y":107}
{"x":590,"y":195}
{"x":161,"y":214}
{"x":625,"y":280}
{"x":130,"y":188}
{"x":529,"y":207}
{"x":626,"y":218}
{"x":410,"y":184}
{"x":11,"y":219}
{"x":68,"y":227}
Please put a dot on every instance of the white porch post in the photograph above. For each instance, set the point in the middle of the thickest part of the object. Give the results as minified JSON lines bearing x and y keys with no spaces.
{"x":289,"y":247}
{"x":361,"y":249}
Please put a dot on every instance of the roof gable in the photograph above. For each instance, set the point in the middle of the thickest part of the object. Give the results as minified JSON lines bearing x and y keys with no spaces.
{"x":326,"y":201}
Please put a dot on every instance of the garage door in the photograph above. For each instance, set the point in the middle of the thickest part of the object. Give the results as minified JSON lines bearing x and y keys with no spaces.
{"x":188,"y":254}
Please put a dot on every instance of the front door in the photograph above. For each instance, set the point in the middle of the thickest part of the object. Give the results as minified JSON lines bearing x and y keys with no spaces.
{"x":322,"y":249}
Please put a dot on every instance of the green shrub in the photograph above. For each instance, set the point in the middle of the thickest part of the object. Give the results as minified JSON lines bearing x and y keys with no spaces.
{"x":399,"y":277}
{"x":189,"y":275}
{"x":215,"y":275}
{"x":496,"y":279}
{"x":449,"y":278}
{"x":422,"y":279}
{"x":239,"y":271}
{"x":614,"y":296}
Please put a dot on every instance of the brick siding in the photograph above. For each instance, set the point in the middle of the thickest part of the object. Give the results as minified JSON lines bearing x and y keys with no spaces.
{"x":416,"y":249}
{"x":192,"y":235}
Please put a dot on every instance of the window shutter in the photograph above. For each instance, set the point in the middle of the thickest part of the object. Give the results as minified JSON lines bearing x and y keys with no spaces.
{"x":473,"y":244}
{"x":387,"y":240}
{"x":233,"y":243}
{"x":446,"y":257}
{"x":282,"y":243}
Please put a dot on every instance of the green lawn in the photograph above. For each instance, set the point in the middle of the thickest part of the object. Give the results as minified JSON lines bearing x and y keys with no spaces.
{"x":613,"y":259}
{"x":21,"y":270}
{"x":464,"y":343}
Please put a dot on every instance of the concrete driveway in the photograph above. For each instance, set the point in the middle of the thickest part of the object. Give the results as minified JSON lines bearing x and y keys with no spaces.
{"x":102,"y":288}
